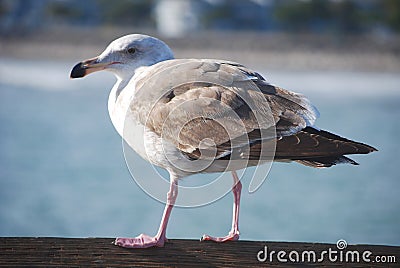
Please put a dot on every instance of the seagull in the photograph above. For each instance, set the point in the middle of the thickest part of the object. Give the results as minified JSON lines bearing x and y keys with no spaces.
{"x":193,"y":116}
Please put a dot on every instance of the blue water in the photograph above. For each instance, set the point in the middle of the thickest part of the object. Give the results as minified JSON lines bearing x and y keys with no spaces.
{"x":62,"y":171}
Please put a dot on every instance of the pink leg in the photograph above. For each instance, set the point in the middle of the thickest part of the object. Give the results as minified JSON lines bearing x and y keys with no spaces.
{"x":233,"y":235}
{"x":145,"y":241}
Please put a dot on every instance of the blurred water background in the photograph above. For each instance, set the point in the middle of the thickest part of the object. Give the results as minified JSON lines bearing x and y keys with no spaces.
{"x":62,"y":170}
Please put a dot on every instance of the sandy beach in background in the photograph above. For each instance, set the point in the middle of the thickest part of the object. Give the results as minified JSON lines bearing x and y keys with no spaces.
{"x":272,"y":51}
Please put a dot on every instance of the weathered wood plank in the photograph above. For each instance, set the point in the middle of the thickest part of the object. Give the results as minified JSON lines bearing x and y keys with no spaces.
{"x":84,"y":252}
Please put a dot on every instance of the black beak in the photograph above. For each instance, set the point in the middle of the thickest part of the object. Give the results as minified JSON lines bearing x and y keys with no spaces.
{"x":87,"y":67}
{"x":78,"y":71}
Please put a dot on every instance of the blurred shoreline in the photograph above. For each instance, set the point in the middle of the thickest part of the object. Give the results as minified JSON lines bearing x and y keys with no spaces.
{"x":275,"y":51}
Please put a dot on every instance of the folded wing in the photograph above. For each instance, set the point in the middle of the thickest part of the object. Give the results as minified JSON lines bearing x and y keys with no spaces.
{"x":211,"y":108}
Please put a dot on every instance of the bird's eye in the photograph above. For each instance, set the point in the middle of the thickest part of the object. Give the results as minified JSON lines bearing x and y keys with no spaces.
{"x":131,"y":50}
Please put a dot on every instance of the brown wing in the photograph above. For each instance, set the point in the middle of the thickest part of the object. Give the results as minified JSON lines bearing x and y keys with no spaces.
{"x":211,"y":108}
{"x":197,"y":104}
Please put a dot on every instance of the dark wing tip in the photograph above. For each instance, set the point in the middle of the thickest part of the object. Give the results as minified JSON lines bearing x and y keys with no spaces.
{"x":373,"y":149}
{"x":324,"y":162}
{"x":360,"y":148}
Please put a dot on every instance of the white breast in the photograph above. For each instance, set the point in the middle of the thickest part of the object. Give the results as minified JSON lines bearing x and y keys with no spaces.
{"x":145,"y":142}
{"x":148,"y":144}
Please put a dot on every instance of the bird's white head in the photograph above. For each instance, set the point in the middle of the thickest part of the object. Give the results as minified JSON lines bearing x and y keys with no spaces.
{"x":124,"y":55}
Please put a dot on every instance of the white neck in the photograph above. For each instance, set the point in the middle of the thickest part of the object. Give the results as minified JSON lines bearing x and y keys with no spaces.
{"x":116,"y":91}
{"x":120,"y":97}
